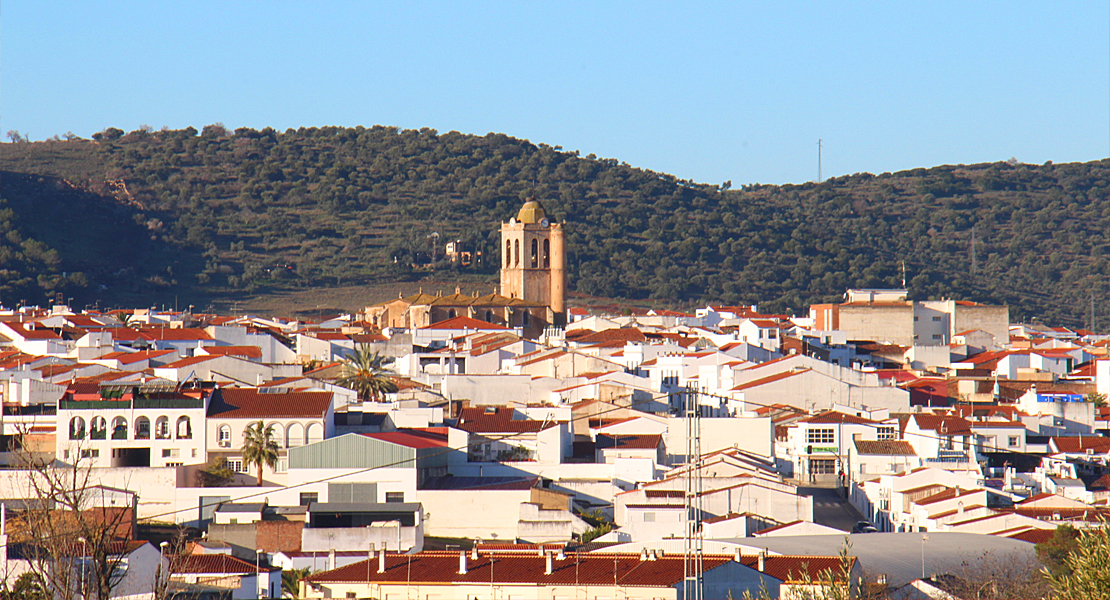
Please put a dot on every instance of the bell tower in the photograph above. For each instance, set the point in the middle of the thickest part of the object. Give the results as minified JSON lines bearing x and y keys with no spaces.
{"x":533,"y":259}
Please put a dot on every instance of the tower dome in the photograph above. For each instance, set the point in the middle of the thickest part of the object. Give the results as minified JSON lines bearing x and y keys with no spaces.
{"x":531,"y":212}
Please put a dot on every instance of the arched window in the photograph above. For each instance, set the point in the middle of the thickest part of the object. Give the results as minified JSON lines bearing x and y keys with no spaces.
{"x":508,"y":253}
{"x":451,"y":314}
{"x":119,"y":428}
{"x":224,"y":436}
{"x":315,"y":432}
{"x":294,"y":435}
{"x":516,"y":253}
{"x":489,"y":316}
{"x":547,"y":254}
{"x":525,"y":318}
{"x":76,"y":428}
{"x":142,"y":428}
{"x":535,"y":253}
{"x":98,"y":430}
{"x":184,"y":428}
{"x":162,"y":428}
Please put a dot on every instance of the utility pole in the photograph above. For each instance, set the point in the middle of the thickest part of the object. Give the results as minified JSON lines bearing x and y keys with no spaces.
{"x":819,"y":179}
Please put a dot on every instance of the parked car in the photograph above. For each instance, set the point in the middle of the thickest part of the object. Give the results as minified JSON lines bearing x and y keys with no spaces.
{"x":864,"y":527}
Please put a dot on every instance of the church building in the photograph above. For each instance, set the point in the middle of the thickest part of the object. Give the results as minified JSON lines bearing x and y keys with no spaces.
{"x":533,"y":284}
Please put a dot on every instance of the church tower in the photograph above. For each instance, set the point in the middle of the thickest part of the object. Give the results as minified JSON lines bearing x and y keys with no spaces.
{"x":533,"y":259}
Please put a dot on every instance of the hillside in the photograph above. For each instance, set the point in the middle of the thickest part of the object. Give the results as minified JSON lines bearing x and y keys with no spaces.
{"x":159,"y":217}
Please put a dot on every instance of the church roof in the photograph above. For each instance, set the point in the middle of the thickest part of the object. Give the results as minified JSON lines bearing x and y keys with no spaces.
{"x":531,"y":212}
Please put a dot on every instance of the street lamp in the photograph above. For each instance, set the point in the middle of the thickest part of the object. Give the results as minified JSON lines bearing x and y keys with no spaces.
{"x":81,"y":580}
{"x":162,"y":561}
{"x":924,"y":538}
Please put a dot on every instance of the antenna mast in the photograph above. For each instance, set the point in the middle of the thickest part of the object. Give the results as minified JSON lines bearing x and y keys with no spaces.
{"x":693,"y":584}
{"x":819,"y":179}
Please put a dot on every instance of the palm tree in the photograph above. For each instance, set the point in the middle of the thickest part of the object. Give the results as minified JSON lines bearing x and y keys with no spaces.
{"x":291,"y":581}
{"x":259,"y":447}
{"x":365,"y":372}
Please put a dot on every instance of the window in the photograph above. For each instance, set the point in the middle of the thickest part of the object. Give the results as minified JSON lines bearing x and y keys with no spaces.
{"x":508,"y":253}
{"x":236,"y":464}
{"x":649,"y":517}
{"x":119,"y":428}
{"x":282,"y":465}
{"x":307,"y":497}
{"x":94,"y":453}
{"x":535,"y":253}
{"x":394,"y":496}
{"x":76,"y":428}
{"x":184,"y":428}
{"x":170,"y":452}
{"x":936,"y":319}
{"x":1015,"y":441}
{"x":525,"y":318}
{"x":516,"y":253}
{"x":142,"y":428}
{"x":915,"y":317}
{"x":162,"y":428}
{"x":225,"y":436}
{"x":887,"y":433}
{"x":936,"y":336}
{"x":547,"y":254}
{"x":99,"y":429}
{"x":824,"y":435}
{"x":822,"y":466}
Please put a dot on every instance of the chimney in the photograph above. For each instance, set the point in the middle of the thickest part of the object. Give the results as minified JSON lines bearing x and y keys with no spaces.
{"x":381,"y":561}
{"x":651,"y":555}
{"x":738,"y":556}
{"x":548,"y":566}
{"x":643,"y":554}
{"x":562,"y":554}
{"x":761,"y":561}
{"x":331,"y":559}
{"x":462,"y":562}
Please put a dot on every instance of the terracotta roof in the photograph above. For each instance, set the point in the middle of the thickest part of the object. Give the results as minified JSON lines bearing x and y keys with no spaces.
{"x":38,"y":333}
{"x":1033,"y":535}
{"x":249,"y":403}
{"x":947,"y":424}
{"x":174,"y":334}
{"x":186,"y":362}
{"x":885,"y":447}
{"x":623,"y":334}
{"x":411,"y":438}
{"x":498,"y":420}
{"x":212,"y":564}
{"x":629,"y":442}
{"x":520,"y":568}
{"x":1081,"y":443}
{"x":247,"y":351}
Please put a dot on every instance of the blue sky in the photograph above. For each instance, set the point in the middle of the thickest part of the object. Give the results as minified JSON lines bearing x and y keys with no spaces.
{"x":736,"y":91}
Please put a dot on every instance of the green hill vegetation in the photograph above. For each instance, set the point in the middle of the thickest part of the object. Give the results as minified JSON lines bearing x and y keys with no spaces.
{"x":146,"y":216}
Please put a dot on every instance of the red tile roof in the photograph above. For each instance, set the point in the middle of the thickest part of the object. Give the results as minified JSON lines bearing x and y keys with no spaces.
{"x":497,"y":420}
{"x":247,"y":351}
{"x":411,"y":438}
{"x":38,"y":333}
{"x":629,"y":442}
{"x":946,"y":424}
{"x":249,"y":403}
{"x":885,"y":447}
{"x":213,"y":564}
{"x":1081,"y":443}
{"x":177,"y":334}
{"x":769,"y":379}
